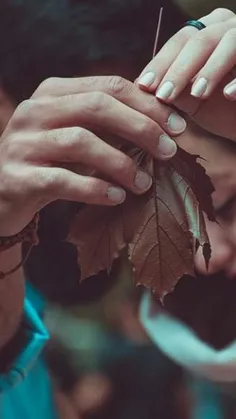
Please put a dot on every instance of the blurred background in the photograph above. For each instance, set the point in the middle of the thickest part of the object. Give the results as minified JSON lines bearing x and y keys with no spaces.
{"x":200,"y":8}
{"x":99,"y":356}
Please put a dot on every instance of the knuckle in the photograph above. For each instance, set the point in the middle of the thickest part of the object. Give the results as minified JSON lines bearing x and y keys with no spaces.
{"x":81,"y":139}
{"x":23,"y":113}
{"x":47,"y":181}
{"x":69,"y":141}
{"x":42,"y":186}
{"x":47,"y":86}
{"x":96,"y":102}
{"x":125,"y":167}
{"x":11,"y":150}
{"x":146,"y":128}
{"x":7,"y":175}
{"x":78,"y":134}
{"x":151,"y":105}
{"x":75,"y":137}
{"x":224,"y":13}
{"x":94,"y":188}
{"x":177,"y":70}
{"x":200,"y":37}
{"x":31,"y":112}
{"x":118,"y":85}
{"x":205,"y":38}
{"x":232,"y":34}
{"x":181,"y":37}
{"x":15,"y":180}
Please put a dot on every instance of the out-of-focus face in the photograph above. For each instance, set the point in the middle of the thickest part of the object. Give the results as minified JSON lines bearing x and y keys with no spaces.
{"x":220,"y":164}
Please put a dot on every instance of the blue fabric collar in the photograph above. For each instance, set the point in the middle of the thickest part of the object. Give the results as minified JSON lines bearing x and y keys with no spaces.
{"x":37,"y":336}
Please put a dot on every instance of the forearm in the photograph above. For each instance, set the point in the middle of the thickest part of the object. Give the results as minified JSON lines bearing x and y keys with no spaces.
{"x":12,"y":293}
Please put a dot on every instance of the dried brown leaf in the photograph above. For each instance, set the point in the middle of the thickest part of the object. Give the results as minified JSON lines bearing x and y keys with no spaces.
{"x":172,"y":226}
{"x":162,"y":229}
{"x":100,"y":233}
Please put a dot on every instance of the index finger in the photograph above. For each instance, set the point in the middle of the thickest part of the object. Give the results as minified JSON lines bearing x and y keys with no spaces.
{"x":123,"y":90}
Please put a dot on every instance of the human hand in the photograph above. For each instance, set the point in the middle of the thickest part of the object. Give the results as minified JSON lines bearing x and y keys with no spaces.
{"x":56,"y":129}
{"x":194,"y":71}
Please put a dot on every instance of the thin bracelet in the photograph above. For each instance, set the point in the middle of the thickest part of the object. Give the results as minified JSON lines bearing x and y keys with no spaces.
{"x":27,"y":235}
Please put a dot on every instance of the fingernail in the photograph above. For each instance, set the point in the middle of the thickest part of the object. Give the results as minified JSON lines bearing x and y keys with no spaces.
{"x":142,"y":180}
{"x":165,"y":91}
{"x":199,"y":87}
{"x":230,"y":90}
{"x":166,"y":147}
{"x":176,"y":123}
{"x":116,"y":195}
{"x":147,"y":79}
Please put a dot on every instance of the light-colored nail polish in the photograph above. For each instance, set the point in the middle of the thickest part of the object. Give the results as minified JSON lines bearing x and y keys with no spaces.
{"x":176,"y":123}
{"x":230,"y":90}
{"x":166,"y":147}
{"x":142,"y":181}
{"x":199,"y":87}
{"x":147,"y":79}
{"x":165,"y":91}
{"x":116,"y":195}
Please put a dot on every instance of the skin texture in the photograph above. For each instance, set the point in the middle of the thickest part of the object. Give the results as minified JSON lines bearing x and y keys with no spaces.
{"x":12,"y":293}
{"x":12,"y":289}
{"x":54,"y":131}
{"x":48,"y":151}
{"x":192,"y":55}
{"x":195,"y":71}
{"x":42,"y":143}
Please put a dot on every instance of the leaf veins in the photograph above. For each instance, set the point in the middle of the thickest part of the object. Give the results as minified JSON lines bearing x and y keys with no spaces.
{"x":162,"y":229}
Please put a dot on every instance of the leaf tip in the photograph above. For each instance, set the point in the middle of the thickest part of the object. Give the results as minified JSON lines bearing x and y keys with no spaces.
{"x":206,"y":251}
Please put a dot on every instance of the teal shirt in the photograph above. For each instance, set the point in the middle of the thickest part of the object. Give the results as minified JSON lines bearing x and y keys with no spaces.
{"x":26,"y":391}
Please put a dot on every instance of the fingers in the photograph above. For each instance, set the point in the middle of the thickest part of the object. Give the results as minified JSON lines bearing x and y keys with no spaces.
{"x":230,"y":90}
{"x":220,"y":63}
{"x":98,"y":111}
{"x":197,"y":57}
{"x":155,"y":71}
{"x":79,"y":145}
{"x":122,"y":90}
{"x":184,"y":55}
{"x":56,"y":183}
{"x":188,"y":63}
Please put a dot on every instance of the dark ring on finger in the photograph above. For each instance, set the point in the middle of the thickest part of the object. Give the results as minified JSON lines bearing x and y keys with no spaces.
{"x":196,"y":24}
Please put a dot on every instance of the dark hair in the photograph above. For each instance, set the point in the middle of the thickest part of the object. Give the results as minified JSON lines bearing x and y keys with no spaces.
{"x":45,"y":38}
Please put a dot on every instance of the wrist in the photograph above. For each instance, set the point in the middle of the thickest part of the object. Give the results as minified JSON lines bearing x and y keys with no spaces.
{"x":13,"y":222}
{"x":27,"y":234}
{"x":8,"y":243}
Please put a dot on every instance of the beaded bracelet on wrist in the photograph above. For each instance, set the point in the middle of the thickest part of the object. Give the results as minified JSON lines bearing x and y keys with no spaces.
{"x":27,"y":235}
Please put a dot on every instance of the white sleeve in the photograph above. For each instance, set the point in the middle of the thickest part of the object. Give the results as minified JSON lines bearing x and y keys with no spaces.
{"x":183,"y":346}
